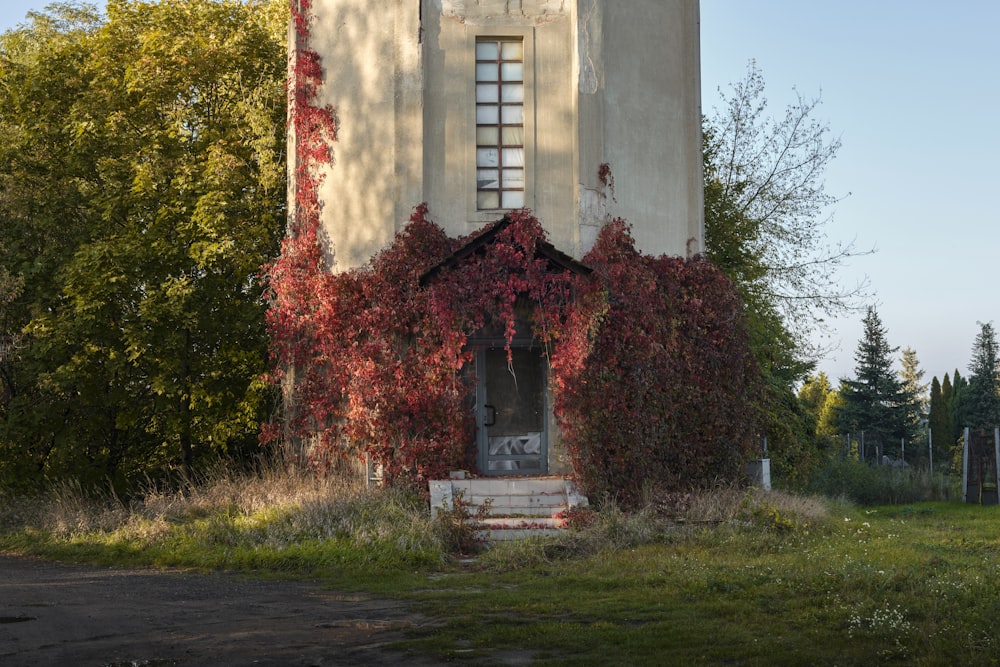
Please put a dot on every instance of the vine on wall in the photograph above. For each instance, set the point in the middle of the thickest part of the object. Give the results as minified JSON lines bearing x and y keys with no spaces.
{"x":653,"y":381}
{"x":665,"y":399}
{"x":298,"y":281}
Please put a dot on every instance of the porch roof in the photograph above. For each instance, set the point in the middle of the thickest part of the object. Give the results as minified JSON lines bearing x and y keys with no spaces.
{"x":545,"y":250}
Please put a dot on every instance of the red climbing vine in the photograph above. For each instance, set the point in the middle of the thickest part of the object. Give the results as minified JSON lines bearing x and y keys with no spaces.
{"x":665,"y":397}
{"x":653,"y":381}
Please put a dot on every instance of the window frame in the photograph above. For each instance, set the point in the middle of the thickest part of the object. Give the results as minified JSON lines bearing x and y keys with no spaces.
{"x":478,"y":212}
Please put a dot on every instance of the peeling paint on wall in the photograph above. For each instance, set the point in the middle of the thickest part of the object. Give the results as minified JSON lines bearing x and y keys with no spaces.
{"x":590,"y":48}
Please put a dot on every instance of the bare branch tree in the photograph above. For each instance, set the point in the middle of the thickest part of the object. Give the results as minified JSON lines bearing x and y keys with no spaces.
{"x":767,"y":207}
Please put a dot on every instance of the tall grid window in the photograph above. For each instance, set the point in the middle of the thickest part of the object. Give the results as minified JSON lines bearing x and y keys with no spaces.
{"x":499,"y":123}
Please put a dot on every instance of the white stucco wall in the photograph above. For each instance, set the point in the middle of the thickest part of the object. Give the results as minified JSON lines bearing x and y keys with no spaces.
{"x":607,"y":81}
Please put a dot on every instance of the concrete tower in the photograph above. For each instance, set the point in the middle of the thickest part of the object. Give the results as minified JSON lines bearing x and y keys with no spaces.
{"x":481,"y":106}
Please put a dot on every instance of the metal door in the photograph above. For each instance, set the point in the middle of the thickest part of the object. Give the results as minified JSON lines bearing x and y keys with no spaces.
{"x":512,"y":412}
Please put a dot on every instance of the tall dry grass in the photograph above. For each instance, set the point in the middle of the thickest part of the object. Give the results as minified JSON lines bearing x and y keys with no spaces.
{"x":256,"y":519}
{"x":273,"y":508}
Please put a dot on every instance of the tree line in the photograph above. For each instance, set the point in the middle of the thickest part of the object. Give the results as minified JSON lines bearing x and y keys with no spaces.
{"x":142,"y":187}
{"x":881,"y":411}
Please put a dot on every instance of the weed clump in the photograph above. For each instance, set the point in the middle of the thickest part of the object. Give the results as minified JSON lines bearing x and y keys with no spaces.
{"x":460,"y":526}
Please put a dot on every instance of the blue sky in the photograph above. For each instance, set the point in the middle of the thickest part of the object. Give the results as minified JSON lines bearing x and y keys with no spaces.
{"x":912,"y":88}
{"x":913,"y":91}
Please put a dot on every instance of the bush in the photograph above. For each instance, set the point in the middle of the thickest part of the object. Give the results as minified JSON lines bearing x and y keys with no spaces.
{"x":652,"y":376}
{"x":880,"y":485}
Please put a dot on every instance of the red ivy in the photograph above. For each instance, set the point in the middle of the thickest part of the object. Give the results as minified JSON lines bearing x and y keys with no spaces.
{"x":665,"y":397}
{"x":653,"y":380}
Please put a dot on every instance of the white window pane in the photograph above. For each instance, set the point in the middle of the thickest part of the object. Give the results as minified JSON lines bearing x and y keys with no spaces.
{"x":488,"y":179}
{"x":513,"y":157}
{"x":512,"y":115}
{"x":512,"y":136}
{"x":487,"y":199}
{"x":512,"y":92}
{"x":487,"y":92}
{"x":487,"y":157}
{"x":487,"y":115}
{"x":489,"y":136}
{"x":513,"y":199}
{"x":510,"y":72}
{"x":486,"y":72}
{"x":512,"y":50}
{"x":513,"y":179}
{"x":487,"y":50}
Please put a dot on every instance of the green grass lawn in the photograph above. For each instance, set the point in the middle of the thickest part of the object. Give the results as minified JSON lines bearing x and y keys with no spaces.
{"x":764,"y":583}
{"x":915,"y":585}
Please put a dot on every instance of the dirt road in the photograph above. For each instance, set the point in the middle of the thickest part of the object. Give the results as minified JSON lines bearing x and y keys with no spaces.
{"x":52,"y":614}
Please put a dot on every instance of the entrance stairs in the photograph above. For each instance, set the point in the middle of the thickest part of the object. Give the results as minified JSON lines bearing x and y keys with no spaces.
{"x":519,"y":507}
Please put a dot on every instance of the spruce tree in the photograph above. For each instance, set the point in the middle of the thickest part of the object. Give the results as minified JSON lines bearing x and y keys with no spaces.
{"x":875,"y":402}
{"x":983,"y":393}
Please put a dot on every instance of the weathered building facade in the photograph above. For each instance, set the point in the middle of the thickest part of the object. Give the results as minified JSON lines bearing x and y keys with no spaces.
{"x":580,"y":110}
{"x":477,"y":106}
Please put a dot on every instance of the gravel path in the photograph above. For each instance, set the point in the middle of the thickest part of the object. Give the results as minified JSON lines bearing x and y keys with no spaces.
{"x":53,"y":614}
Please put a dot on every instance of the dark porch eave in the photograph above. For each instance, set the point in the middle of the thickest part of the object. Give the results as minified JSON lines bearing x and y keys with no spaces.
{"x":544,"y":250}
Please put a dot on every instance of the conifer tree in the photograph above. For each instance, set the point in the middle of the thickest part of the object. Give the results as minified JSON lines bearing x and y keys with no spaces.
{"x":959,"y":407}
{"x":947,"y":422}
{"x":876,"y":402}
{"x":916,"y":395}
{"x":983,"y":393}
{"x":939,"y":420}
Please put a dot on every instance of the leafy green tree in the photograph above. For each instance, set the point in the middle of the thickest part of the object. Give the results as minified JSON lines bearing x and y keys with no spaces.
{"x":766,"y":208}
{"x":765,"y":213}
{"x":829,"y":416}
{"x":982,"y":398}
{"x":875,"y":401}
{"x":814,"y":393}
{"x":11,"y":287}
{"x":822,"y":402}
{"x":142,"y":184}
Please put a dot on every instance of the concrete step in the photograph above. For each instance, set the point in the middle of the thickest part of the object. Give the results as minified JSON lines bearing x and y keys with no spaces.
{"x":508,"y":534}
{"x":501,"y":529}
{"x":519,"y":507}
{"x":522,"y":523}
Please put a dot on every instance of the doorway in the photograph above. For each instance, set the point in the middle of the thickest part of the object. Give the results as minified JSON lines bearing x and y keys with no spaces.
{"x":511,"y":411}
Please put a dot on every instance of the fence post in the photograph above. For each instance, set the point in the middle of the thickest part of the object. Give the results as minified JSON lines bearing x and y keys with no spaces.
{"x":930,"y":449}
